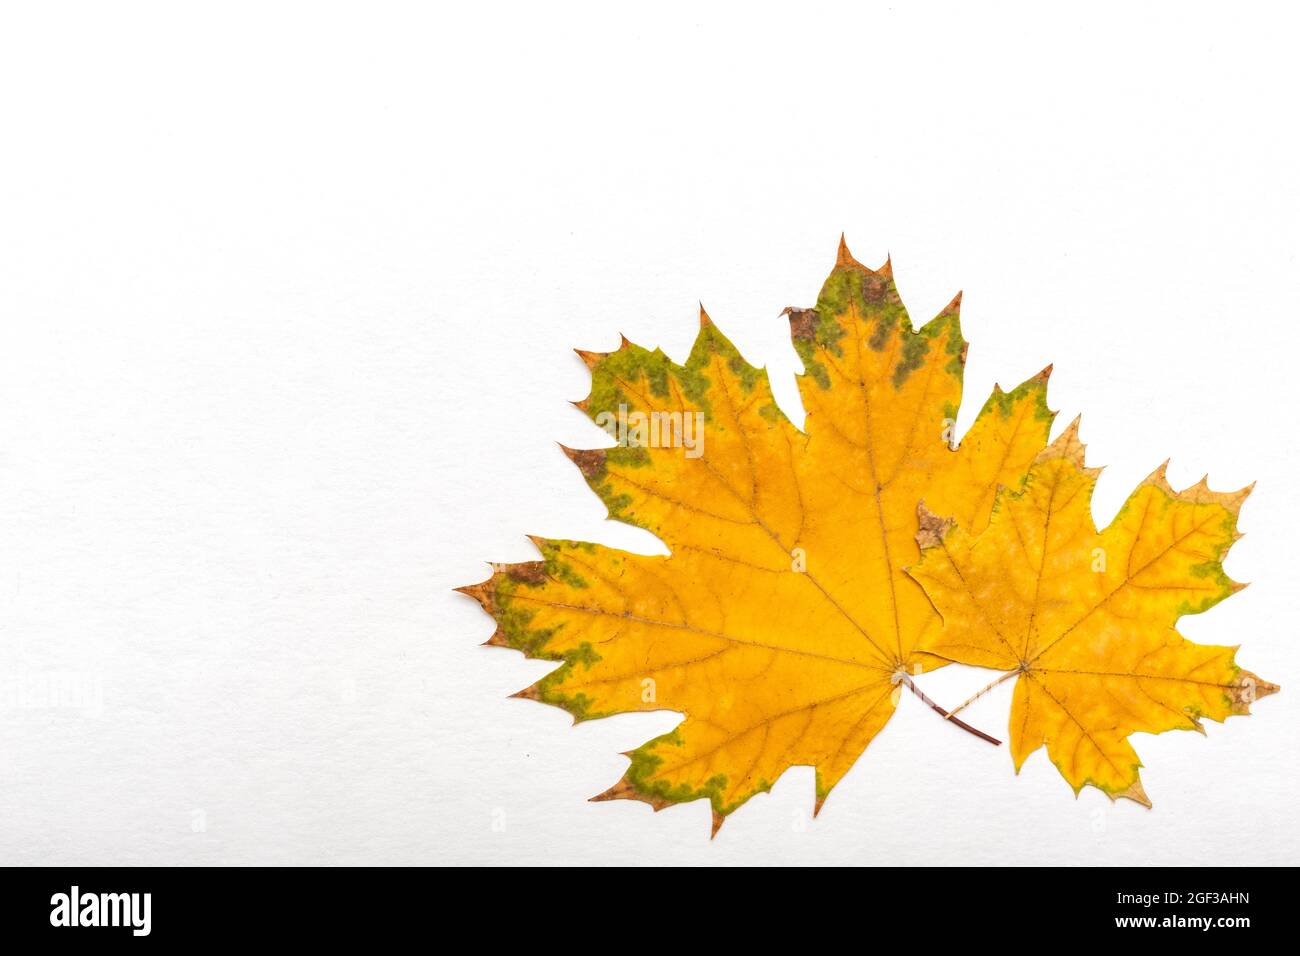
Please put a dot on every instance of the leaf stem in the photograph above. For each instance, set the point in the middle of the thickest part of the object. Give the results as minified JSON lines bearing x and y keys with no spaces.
{"x":980,"y":693}
{"x":947,"y":715}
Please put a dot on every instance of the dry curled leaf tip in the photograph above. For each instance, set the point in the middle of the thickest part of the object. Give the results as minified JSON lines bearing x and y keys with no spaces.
{"x":1250,"y":688}
{"x":1068,"y":446}
{"x":623,"y":790}
{"x":845,"y":258}
{"x":1159,"y":478}
{"x":1136,"y":793}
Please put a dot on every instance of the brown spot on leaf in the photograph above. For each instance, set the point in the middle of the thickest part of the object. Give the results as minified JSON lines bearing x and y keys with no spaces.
{"x":803,"y":322}
{"x":590,"y":461}
{"x":530,"y":572}
{"x":930,"y":527}
{"x":874,"y":287}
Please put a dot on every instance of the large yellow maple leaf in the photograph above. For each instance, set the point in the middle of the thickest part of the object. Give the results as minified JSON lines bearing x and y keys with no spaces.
{"x":783,"y":622}
{"x":1084,"y":620}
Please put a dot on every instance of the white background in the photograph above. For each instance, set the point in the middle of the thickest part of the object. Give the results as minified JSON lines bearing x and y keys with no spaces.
{"x":288,"y":294}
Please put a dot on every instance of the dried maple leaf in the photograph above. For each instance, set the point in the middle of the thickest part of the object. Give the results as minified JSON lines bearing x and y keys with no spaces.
{"x":1085,"y":619}
{"x":783,"y":623}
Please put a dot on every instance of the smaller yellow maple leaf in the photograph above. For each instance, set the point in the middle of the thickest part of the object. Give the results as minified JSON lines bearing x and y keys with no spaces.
{"x":1085,"y":619}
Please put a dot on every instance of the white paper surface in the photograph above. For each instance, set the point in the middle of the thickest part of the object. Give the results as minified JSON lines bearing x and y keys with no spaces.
{"x":288,"y":294}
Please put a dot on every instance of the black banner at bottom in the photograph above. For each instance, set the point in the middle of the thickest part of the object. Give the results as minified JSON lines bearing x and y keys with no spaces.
{"x":136,"y":906}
